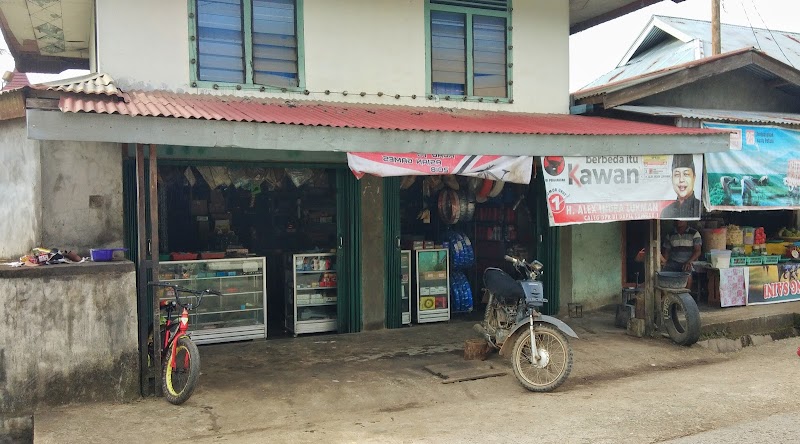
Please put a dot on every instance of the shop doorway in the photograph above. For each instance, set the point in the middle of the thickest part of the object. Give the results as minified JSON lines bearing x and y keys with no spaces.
{"x":256,"y":214}
{"x":477,"y":222}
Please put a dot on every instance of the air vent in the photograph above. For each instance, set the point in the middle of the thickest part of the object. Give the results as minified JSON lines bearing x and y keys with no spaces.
{"x":492,"y":5}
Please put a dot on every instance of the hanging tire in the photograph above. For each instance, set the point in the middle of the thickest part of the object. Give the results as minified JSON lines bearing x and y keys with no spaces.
{"x":179,"y":382}
{"x":555,"y":361}
{"x":683,"y":324}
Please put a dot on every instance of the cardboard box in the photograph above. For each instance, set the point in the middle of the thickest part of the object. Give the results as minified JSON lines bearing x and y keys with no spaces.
{"x":429,"y":245}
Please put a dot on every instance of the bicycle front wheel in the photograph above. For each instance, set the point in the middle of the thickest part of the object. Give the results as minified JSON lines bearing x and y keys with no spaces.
{"x":181,"y":373}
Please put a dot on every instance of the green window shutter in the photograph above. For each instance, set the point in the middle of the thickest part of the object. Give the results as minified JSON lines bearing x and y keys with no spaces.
{"x":220,"y":41}
{"x":275,"y":43}
{"x":469,"y":54}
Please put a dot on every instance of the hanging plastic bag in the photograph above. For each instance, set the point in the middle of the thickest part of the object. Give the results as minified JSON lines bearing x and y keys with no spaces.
{"x":299,"y":176}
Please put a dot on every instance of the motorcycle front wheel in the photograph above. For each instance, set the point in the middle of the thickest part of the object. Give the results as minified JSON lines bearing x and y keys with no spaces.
{"x":555,"y":359}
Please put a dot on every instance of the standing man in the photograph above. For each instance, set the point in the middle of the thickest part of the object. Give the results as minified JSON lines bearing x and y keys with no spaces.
{"x":681,"y":247}
{"x":686,"y":205}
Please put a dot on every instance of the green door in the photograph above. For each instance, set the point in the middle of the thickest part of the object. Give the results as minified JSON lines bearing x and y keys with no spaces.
{"x":348,"y":221}
{"x":392,"y":273}
{"x":547,"y":246}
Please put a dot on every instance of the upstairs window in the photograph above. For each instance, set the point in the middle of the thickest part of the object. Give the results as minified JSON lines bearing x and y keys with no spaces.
{"x":247,"y":42}
{"x":469,"y":48}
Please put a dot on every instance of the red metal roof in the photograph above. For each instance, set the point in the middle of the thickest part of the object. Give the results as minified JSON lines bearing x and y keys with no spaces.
{"x":367,"y":116}
{"x":18,"y":80}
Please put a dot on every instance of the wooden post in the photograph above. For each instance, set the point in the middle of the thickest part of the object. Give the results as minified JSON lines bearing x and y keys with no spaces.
{"x":651,"y":265}
{"x":716,"y":37}
{"x":153,"y":251}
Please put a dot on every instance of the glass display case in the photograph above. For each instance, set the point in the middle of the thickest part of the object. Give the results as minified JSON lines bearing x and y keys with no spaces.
{"x":238,"y":314}
{"x":432,"y":285}
{"x":405,"y":280}
{"x":311,"y":302}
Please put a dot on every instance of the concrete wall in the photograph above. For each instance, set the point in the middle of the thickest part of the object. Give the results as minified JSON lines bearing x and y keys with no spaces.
{"x":20,"y":190}
{"x":373,"y":257}
{"x":353,"y":45}
{"x":68,"y":334}
{"x":596,"y":265}
{"x":751,"y":94}
{"x":81,"y":195}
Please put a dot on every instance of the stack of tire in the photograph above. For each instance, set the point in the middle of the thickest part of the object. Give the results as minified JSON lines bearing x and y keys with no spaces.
{"x":462,"y":257}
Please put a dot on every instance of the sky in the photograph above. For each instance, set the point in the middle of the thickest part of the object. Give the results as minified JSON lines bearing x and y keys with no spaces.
{"x":599,"y":49}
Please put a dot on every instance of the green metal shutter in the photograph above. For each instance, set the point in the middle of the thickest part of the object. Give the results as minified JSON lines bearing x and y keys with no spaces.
{"x":547,"y":248}
{"x":348,"y":202}
{"x":392,"y":278}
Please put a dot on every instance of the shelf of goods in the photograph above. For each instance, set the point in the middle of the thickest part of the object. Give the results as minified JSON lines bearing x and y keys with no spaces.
{"x":311,"y":299}
{"x":405,"y":279}
{"x":238,"y":314}
{"x":432,"y":285}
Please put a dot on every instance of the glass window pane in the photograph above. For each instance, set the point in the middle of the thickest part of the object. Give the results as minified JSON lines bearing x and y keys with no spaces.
{"x":489,"y":56}
{"x":448,"y":53}
{"x":275,"y":43}
{"x":220,"y":50}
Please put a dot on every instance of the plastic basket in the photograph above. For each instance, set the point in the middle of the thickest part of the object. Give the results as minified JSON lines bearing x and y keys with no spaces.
{"x":771,"y":260}
{"x":738,"y":261}
{"x":755,"y":260}
{"x":103,"y":254}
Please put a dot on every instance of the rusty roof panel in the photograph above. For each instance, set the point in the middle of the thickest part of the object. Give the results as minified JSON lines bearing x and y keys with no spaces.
{"x":715,"y":114}
{"x":18,"y":80}
{"x":341,"y":115}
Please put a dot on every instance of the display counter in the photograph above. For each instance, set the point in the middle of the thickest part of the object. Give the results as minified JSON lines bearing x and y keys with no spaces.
{"x":751,"y":285}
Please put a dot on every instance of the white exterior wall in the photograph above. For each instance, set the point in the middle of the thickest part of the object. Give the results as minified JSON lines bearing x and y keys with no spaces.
{"x":20,"y":190}
{"x":350,"y":45}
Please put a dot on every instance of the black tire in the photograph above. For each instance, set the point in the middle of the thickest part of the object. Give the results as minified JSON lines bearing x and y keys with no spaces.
{"x":683,"y":324}
{"x":551,"y":341}
{"x":179,"y":383}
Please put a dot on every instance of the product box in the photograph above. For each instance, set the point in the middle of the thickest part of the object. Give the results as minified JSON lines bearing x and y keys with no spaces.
{"x":417,"y":245}
{"x":303,"y":298}
{"x":427,"y":303}
{"x":424,"y":291}
{"x":429,"y":245}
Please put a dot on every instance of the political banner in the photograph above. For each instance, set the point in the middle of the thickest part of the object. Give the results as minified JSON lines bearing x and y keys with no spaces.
{"x":516,"y":169}
{"x":760,"y":171}
{"x":774,"y":283}
{"x":629,"y":187}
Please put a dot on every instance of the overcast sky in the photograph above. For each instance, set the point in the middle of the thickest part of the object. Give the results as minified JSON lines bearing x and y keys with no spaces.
{"x":598,"y":50}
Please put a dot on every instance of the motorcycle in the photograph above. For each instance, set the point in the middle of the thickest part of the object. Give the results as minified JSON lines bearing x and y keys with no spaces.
{"x":541,"y":356}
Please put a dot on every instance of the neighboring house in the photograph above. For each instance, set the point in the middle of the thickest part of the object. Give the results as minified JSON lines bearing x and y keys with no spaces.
{"x":668,"y":76}
{"x":294,"y":83}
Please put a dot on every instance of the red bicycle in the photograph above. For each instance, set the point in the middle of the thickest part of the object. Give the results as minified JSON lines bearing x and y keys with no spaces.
{"x":180,"y":359}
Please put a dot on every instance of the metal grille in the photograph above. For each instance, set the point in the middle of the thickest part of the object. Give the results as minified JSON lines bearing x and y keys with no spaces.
{"x":493,"y":5}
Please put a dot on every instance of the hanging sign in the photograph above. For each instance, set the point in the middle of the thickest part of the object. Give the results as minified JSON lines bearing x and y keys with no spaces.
{"x":628,"y":187}
{"x":774,"y":283}
{"x":761,"y":170}
{"x":516,"y":169}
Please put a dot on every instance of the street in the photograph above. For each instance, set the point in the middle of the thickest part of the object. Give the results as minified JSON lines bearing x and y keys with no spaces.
{"x":336,"y":389}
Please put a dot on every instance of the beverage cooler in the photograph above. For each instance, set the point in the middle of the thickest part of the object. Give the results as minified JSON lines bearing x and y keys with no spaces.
{"x":431,"y":272}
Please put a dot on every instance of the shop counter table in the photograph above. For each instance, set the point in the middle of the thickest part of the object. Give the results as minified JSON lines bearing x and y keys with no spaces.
{"x":753,"y":284}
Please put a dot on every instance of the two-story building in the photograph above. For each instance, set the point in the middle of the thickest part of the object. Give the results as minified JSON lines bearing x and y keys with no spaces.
{"x":218,"y":126}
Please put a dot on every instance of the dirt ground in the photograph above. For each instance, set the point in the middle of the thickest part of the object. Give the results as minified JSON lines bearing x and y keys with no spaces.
{"x":372,"y":387}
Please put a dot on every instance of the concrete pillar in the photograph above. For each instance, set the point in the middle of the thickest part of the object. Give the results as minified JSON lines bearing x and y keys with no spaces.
{"x":373,"y":292}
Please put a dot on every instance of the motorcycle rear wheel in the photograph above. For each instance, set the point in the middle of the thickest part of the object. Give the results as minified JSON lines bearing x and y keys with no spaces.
{"x":554,"y":366}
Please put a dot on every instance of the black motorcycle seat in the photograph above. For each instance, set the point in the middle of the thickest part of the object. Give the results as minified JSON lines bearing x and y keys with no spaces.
{"x":505,"y":289}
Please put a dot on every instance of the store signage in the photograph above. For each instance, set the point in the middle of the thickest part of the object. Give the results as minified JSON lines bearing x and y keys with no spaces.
{"x":615,"y":188}
{"x":516,"y":169}
{"x":761,"y":170}
{"x":774,"y":283}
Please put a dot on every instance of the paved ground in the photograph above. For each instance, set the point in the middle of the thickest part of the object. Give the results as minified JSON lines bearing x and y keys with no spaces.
{"x":371,"y":387}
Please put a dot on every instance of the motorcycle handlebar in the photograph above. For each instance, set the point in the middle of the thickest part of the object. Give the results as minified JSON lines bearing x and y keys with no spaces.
{"x":510,"y":259}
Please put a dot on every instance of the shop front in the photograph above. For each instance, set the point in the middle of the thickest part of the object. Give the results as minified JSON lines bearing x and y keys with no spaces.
{"x":750,"y":233}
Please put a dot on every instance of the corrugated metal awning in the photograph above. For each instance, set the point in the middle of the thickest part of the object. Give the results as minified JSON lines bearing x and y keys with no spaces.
{"x":717,"y":115}
{"x":93,"y":109}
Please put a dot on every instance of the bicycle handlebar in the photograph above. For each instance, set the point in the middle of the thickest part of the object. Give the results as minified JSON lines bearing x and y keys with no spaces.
{"x":178,"y":289}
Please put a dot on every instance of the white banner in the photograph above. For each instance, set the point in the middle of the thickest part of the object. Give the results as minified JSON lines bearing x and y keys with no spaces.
{"x":516,"y":169}
{"x":615,"y":188}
